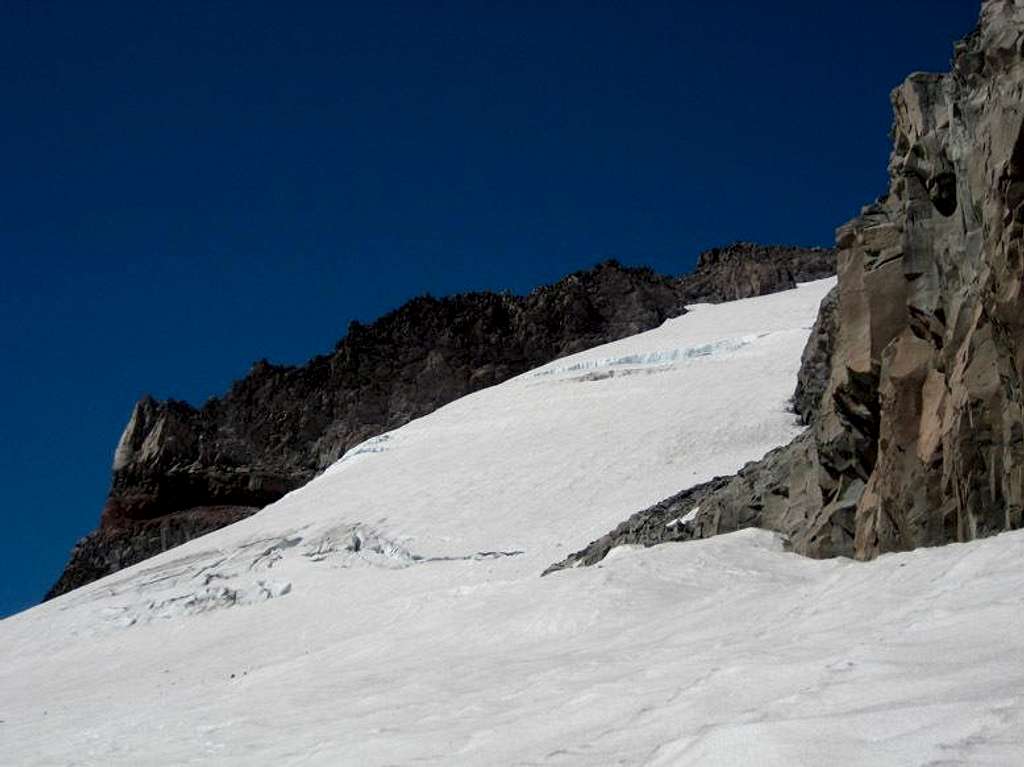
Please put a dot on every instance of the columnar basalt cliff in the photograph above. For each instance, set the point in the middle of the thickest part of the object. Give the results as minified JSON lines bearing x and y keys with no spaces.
{"x":917,"y":438}
{"x":180,"y":472}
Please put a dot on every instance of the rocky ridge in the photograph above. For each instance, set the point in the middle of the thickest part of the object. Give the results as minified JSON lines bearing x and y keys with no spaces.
{"x":912,"y":380}
{"x":746,"y":269}
{"x":180,"y":471}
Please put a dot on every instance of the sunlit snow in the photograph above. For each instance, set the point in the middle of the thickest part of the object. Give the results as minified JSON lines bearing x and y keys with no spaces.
{"x":391,"y":611}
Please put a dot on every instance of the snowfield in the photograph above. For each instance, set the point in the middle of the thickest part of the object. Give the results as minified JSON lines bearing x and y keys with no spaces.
{"x":391,"y":612}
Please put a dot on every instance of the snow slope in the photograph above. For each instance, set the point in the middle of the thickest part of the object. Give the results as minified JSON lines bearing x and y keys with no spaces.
{"x":390,"y":612}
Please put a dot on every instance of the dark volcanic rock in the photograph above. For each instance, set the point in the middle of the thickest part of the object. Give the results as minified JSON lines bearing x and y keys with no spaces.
{"x":743,"y":269}
{"x":181,"y":471}
{"x":661,"y":523}
{"x":279,"y":426}
{"x":776,"y":492}
{"x":816,"y":362}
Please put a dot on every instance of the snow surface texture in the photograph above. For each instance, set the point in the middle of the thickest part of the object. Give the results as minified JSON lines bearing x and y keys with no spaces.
{"x":391,"y":611}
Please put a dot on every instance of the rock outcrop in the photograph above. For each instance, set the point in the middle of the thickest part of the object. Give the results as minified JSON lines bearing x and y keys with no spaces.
{"x":279,"y":426}
{"x":744,"y":269}
{"x":917,"y":439}
{"x":776,"y":492}
{"x":925,"y":429}
{"x":181,"y":471}
{"x":816,"y":362}
{"x":664,"y":522}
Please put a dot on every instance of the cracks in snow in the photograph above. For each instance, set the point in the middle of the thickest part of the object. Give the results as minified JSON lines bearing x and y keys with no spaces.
{"x":652,"y":361}
{"x":273,"y":554}
{"x":378,"y":444}
{"x":349,"y":544}
{"x":381,"y":551}
{"x":216,"y":580}
{"x":604,"y":375}
{"x":478,"y":556}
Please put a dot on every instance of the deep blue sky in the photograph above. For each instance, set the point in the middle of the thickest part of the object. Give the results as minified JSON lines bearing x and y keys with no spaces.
{"x":190,"y":186}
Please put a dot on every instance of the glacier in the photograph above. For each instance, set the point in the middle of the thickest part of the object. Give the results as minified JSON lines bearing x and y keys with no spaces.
{"x":392,"y":611}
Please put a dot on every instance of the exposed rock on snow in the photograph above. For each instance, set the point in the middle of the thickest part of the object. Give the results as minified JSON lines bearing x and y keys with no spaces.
{"x":775,"y":492}
{"x":745,"y":269}
{"x":816,"y":363}
{"x":280,"y":426}
{"x":661,"y":523}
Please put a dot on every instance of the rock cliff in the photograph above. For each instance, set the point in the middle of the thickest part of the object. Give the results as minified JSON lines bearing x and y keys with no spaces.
{"x":181,"y":471}
{"x":745,"y":269}
{"x":917,"y":432}
{"x":922,"y":441}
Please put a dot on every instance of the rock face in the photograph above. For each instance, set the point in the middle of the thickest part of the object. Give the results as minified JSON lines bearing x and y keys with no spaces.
{"x":776,"y":492}
{"x":816,"y":361}
{"x":279,"y":426}
{"x":744,"y":269}
{"x":918,"y":438}
{"x":180,"y":471}
{"x":662,"y":523}
{"x":925,"y":430}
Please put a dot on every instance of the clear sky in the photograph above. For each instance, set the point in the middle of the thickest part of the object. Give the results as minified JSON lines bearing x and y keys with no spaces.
{"x":188,"y":187}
